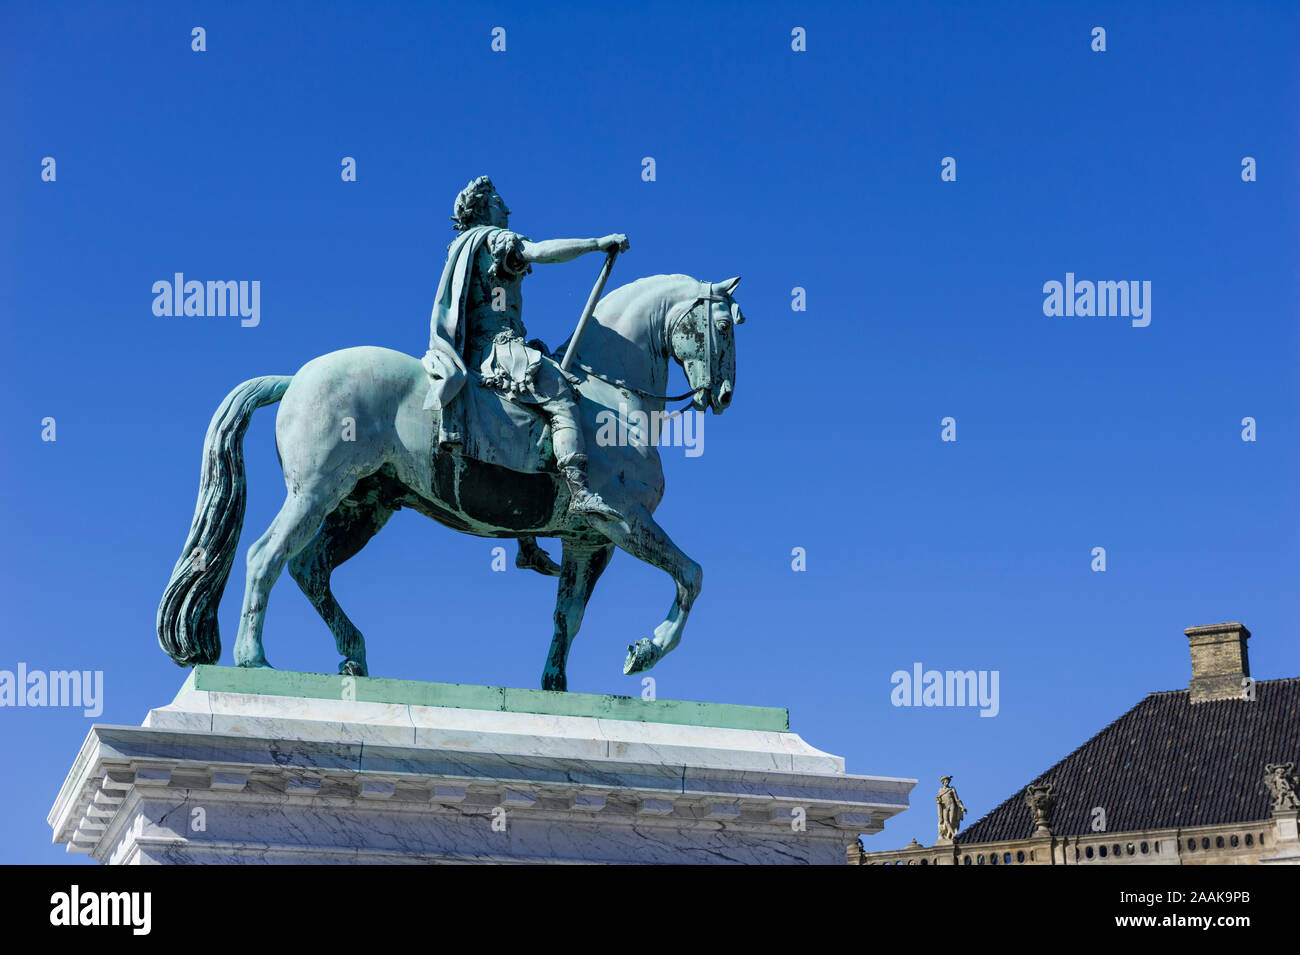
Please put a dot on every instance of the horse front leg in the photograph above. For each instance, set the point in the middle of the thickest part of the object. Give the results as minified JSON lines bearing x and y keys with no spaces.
{"x":640,"y":536}
{"x":581,"y":567}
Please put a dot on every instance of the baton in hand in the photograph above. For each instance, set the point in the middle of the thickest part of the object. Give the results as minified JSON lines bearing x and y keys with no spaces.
{"x":572,"y":351}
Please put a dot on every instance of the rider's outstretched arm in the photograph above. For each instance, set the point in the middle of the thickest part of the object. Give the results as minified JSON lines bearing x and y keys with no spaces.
{"x":565,"y":250}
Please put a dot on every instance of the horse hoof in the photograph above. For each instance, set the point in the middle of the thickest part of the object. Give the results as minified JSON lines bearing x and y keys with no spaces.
{"x":556,"y":683}
{"x":352,"y":668}
{"x":258,"y":664}
{"x":641,"y":655}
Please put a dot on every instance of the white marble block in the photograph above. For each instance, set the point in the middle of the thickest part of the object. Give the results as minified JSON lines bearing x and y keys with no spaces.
{"x":220,"y":776}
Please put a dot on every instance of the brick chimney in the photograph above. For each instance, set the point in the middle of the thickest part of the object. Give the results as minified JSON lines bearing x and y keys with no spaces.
{"x":1219,"y":661}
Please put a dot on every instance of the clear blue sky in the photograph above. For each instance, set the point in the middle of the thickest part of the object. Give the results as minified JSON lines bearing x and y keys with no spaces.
{"x":818,"y":169}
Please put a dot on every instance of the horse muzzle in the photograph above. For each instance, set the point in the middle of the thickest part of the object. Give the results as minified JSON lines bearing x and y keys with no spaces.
{"x":707,"y":398}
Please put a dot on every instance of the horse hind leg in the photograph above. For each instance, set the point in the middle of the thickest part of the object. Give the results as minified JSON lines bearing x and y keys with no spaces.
{"x":293,"y":527}
{"x":346,"y":530}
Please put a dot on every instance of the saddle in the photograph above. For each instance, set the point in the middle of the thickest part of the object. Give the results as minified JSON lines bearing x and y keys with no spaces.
{"x":496,"y":430}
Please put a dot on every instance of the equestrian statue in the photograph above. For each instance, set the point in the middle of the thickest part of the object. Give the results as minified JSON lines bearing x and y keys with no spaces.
{"x":490,"y":434}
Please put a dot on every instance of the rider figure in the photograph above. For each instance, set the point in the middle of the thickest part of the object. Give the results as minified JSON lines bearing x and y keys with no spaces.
{"x":477,"y":324}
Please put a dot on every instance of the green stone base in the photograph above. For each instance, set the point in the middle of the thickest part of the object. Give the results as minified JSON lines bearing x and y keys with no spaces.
{"x":320,"y":686}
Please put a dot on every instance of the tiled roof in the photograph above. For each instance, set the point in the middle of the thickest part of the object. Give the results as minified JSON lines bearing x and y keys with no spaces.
{"x":1166,"y":763}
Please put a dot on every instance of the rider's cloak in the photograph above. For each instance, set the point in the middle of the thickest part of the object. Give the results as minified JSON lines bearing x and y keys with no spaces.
{"x":443,"y":362}
{"x":481,"y":423}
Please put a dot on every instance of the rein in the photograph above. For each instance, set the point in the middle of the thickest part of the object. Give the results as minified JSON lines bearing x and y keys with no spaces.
{"x":618,"y":383}
{"x":644,"y":394}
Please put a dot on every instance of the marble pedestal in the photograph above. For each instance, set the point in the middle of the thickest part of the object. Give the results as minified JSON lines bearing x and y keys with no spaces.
{"x":261,"y":766}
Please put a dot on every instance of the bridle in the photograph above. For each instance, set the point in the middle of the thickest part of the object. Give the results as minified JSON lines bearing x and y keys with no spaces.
{"x":706,"y":294}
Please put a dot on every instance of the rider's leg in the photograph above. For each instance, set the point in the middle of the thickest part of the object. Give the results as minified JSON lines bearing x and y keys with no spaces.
{"x":570,"y":456}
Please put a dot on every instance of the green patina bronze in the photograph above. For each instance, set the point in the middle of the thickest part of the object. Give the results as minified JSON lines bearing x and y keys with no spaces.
{"x":489,"y":434}
{"x":321,"y":686}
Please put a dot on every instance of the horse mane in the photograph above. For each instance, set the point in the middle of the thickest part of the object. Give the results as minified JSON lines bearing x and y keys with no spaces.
{"x":620,"y":296}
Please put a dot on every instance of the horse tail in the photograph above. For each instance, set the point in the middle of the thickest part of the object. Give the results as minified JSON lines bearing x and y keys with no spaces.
{"x":187,"y":616}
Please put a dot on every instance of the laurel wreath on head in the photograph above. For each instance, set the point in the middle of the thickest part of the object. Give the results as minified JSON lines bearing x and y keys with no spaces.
{"x":468,"y":210}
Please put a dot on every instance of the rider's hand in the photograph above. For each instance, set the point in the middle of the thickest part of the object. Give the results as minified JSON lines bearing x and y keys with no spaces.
{"x":611,"y":242}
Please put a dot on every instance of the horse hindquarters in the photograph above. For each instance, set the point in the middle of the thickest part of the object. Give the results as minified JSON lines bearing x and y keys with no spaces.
{"x":335,"y":427}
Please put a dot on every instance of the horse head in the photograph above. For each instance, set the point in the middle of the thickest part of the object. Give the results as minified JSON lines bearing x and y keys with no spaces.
{"x":701,"y":336}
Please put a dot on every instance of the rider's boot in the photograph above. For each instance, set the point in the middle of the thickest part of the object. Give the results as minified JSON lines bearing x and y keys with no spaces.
{"x":583,"y":500}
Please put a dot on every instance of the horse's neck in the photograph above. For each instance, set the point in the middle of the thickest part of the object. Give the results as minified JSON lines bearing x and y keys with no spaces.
{"x":634,"y":345}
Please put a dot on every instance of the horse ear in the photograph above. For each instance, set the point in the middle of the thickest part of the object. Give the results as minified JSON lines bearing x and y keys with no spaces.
{"x":729,"y":285}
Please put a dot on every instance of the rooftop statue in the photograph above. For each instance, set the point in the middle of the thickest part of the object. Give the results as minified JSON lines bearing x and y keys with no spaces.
{"x":951,"y":810}
{"x":1041,"y":800}
{"x":1283,"y":785}
{"x":489,"y":434}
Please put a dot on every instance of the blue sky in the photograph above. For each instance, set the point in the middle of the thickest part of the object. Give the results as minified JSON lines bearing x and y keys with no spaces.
{"x":818,"y":169}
